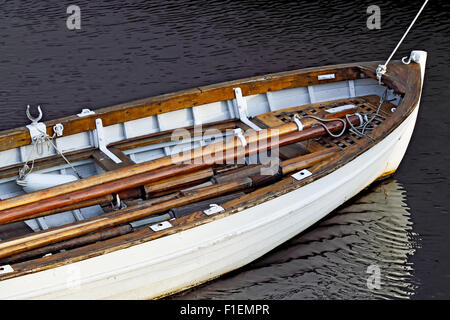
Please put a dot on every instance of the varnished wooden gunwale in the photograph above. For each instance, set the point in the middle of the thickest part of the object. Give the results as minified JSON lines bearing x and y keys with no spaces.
{"x":184,"y":99}
{"x":411,"y":93}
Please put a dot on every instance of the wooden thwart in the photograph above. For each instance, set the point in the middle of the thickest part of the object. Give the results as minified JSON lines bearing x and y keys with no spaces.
{"x":107,"y":164}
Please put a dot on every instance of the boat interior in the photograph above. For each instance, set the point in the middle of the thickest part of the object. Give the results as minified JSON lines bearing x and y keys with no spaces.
{"x":81,"y":146}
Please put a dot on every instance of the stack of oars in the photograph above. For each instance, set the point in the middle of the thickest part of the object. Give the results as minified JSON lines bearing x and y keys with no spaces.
{"x":169,"y":171}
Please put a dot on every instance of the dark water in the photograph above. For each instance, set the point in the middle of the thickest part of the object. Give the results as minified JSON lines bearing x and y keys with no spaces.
{"x":126,"y":51}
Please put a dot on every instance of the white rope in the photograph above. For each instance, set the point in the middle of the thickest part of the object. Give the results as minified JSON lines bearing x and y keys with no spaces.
{"x":321,"y":123}
{"x":381,"y":70}
{"x":49,"y":139}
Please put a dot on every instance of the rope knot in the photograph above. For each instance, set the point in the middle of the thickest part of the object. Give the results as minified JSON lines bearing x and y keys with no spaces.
{"x":381,"y":70}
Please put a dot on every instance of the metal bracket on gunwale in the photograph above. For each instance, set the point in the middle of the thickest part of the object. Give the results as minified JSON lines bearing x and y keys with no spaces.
{"x":298,"y":122}
{"x":239,"y":134}
{"x":6,"y":269}
{"x":85,"y":112}
{"x":102,"y":142}
{"x":161,"y":226}
{"x":242,"y":109}
{"x":326,"y":76}
{"x":302,"y":174}
{"x":37,"y":129}
{"x":213,"y":208}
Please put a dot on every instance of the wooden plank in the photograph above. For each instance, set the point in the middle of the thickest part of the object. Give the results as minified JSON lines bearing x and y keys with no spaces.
{"x":107,"y":164}
{"x":82,"y":204}
{"x":178,"y":212}
{"x":69,"y":244}
{"x":12,"y":230}
{"x":48,"y":162}
{"x":166,"y":136}
{"x":231,"y":175}
{"x":302,"y":162}
{"x":178,"y":182}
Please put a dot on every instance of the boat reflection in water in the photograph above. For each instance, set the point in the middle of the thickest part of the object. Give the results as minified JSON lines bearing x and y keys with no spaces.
{"x":331,"y":260}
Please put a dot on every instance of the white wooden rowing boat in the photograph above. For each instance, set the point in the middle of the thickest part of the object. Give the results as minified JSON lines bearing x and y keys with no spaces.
{"x":176,"y":261}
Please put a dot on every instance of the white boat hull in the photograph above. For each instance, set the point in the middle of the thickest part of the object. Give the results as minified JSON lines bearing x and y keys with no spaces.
{"x":182,"y":260}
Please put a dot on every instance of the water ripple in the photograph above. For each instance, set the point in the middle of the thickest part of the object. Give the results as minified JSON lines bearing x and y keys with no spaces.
{"x":330,"y":260}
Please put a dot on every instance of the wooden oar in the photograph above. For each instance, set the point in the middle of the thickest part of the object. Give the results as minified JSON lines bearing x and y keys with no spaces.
{"x":138,"y":168}
{"x":127,"y":171}
{"x":43,"y":238}
{"x":287,"y":166}
{"x":154,"y":189}
{"x":69,"y":244}
{"x":67,"y":199}
{"x":307,"y":160}
{"x":178,"y":182}
{"x":50,"y":237}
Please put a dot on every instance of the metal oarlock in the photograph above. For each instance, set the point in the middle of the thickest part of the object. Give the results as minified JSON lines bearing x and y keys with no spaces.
{"x":58,"y":129}
{"x":298,"y":122}
{"x":240,"y":134}
{"x":32,"y":119}
{"x":117,"y":203}
{"x":37,"y":129}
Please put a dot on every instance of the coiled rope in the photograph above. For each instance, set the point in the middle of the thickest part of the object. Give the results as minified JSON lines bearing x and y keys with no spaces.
{"x":321,"y":123}
{"x":364,"y":120}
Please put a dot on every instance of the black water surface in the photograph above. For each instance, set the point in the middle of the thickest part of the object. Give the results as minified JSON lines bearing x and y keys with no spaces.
{"x":137,"y":49}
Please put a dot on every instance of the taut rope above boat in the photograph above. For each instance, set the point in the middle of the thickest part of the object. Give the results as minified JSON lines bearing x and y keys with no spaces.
{"x":382,"y":68}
